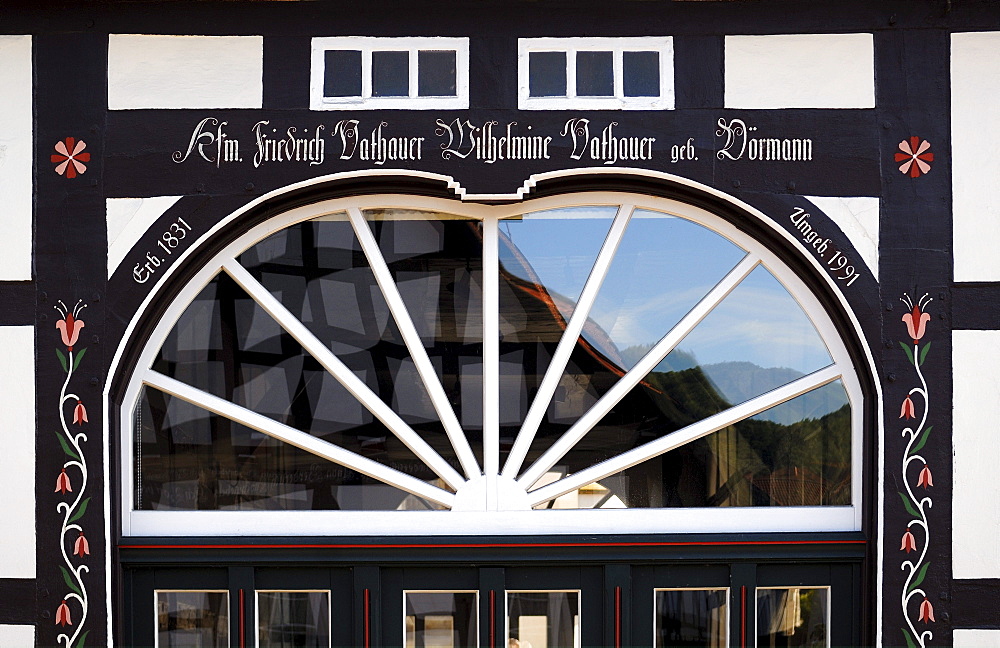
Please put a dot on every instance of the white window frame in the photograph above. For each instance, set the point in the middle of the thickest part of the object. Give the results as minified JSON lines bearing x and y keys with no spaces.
{"x":168,"y":590}
{"x":725,"y":633}
{"x":368,"y":44}
{"x":329,"y":610}
{"x":577,"y":636}
{"x":443,"y":591}
{"x":479,"y":509}
{"x":829,"y":607}
{"x":617,"y":46}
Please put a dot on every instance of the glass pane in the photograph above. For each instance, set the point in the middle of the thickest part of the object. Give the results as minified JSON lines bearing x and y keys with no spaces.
{"x":190,"y":459}
{"x":547,"y":74}
{"x":436,"y":261}
{"x":441,"y":619}
{"x":794,"y":454}
{"x":641,"y":74}
{"x":436,"y":73}
{"x":192,"y":619}
{"x":543,"y":619}
{"x":390,"y":74}
{"x":595,"y":76}
{"x":342,"y":73}
{"x":793,"y":616}
{"x":545,"y":259}
{"x":690,"y":618}
{"x":293,"y":619}
{"x":663,"y":266}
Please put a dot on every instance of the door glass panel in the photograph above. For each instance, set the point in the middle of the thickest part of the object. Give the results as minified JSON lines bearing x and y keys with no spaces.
{"x":690,"y":617}
{"x":793,"y":616}
{"x":539,"y":619}
{"x":441,"y":620}
{"x":293,"y":619}
{"x":192,"y":619}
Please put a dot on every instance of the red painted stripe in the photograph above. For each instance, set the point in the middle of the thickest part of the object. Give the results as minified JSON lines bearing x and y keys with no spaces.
{"x":367,"y":619}
{"x":734,"y":543}
{"x":743,"y":616}
{"x":493,"y":618}
{"x":242,"y":621}
{"x":618,"y":617}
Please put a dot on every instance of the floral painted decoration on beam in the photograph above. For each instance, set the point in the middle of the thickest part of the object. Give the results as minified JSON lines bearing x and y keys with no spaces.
{"x":915,"y":157}
{"x":916,"y":321}
{"x":69,"y":157}
{"x":72,"y":508}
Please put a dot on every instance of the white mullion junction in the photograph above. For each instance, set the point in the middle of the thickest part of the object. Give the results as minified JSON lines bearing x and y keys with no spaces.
{"x":414,"y":344}
{"x":567,"y":342}
{"x":491,"y":357}
{"x":297,"y":438}
{"x":685,"y":435}
{"x":343,"y":374}
{"x":648,"y":362}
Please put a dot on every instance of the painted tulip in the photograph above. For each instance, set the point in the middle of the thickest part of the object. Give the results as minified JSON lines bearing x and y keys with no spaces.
{"x":62,"y":483}
{"x":62,"y":614}
{"x":916,"y":323}
{"x":927,"y":612}
{"x":924,"y":478}
{"x":81,"y":547}
{"x":907,"y":410}
{"x":909,"y":542}
{"x":80,"y":414}
{"x":69,"y":329}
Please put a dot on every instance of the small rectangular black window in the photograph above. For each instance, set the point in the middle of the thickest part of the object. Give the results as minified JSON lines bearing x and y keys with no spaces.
{"x":641,"y":74}
{"x":595,"y":74}
{"x":547,"y":74}
{"x":436,"y":73}
{"x":390,"y":74}
{"x":342,"y":73}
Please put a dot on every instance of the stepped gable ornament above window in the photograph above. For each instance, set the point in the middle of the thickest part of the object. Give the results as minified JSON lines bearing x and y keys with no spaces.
{"x":382,"y":73}
{"x":354,"y":357}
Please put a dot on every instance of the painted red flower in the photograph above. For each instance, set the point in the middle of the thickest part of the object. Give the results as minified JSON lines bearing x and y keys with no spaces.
{"x":926,"y":612}
{"x":907,"y":410}
{"x":80,"y":414}
{"x":62,"y":483}
{"x":914,"y":156}
{"x":69,"y":328}
{"x":69,"y":157}
{"x":62,"y":614}
{"x":924,"y":478}
{"x":916,"y":323}
{"x":909,"y":542}
{"x":81,"y":547}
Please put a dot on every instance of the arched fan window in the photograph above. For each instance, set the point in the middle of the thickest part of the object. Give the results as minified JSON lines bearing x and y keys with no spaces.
{"x":477,"y":369}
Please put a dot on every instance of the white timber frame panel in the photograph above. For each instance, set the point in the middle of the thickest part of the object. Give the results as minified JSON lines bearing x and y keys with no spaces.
{"x":161,"y":71}
{"x":17,"y":461}
{"x":493,"y":503}
{"x":975,"y":120}
{"x":975,"y":638}
{"x":800,"y":71}
{"x":16,"y":157}
{"x":128,"y":219}
{"x":976,"y":492}
{"x":17,"y":636}
{"x":858,"y":218}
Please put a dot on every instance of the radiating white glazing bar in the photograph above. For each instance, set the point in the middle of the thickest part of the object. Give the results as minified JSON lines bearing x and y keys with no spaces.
{"x":414,"y":344}
{"x":491,"y":358}
{"x":343,"y":374}
{"x":646,"y":364}
{"x":685,"y":435}
{"x":567,"y":342}
{"x":298,"y":438}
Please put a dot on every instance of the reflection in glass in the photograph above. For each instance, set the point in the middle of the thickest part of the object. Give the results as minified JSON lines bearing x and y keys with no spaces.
{"x":690,"y":617}
{"x":797,"y":453}
{"x":793,"y":616}
{"x":543,"y":619}
{"x":441,"y":620}
{"x":293,"y":619}
{"x":192,"y":619}
{"x":191,"y":459}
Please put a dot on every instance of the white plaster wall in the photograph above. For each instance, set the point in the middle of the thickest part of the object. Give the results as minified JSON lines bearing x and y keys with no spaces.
{"x":800,"y":71}
{"x":858,"y":218}
{"x":976,"y":494}
{"x":155,"y":71}
{"x":17,"y":460}
{"x":975,"y":638}
{"x":975,"y":169}
{"x":17,"y":636}
{"x":15,"y":157}
{"x":128,"y":220}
